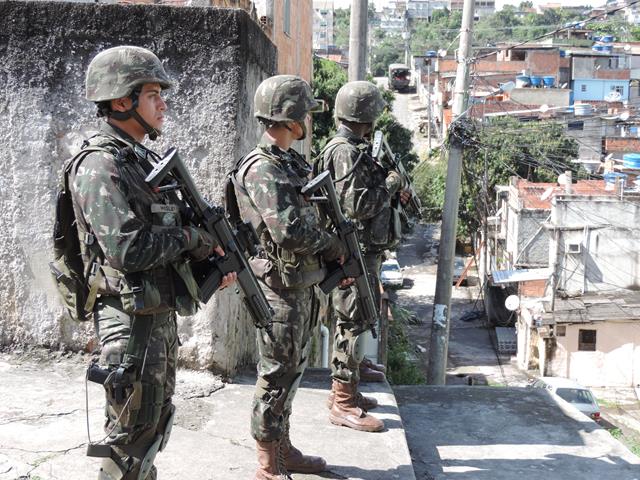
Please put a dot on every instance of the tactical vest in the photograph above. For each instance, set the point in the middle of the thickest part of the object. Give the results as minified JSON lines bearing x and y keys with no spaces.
{"x":170,"y":287}
{"x":383,"y":231}
{"x":274,"y":265}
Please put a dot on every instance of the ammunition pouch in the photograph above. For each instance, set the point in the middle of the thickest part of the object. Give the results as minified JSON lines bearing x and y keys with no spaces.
{"x":384,"y":230}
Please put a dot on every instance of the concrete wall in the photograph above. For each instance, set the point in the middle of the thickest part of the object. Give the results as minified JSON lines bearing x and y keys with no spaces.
{"x":615,"y":363}
{"x":553,"y":97}
{"x":217,"y":58}
{"x":608,"y":231}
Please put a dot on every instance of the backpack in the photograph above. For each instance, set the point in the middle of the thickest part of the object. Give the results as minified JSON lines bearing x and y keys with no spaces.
{"x":70,"y":274}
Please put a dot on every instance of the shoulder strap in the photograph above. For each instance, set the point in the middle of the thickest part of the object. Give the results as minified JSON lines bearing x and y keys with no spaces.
{"x":234,"y":185}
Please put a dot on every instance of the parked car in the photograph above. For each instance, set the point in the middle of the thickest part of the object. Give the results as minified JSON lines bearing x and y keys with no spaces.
{"x":391,"y":274}
{"x":458,"y":268}
{"x":571,"y":392}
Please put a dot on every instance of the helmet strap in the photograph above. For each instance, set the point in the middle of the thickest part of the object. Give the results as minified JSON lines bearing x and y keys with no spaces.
{"x":153,"y":133}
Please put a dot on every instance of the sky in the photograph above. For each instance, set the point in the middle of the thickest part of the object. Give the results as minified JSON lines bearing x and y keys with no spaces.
{"x":499,"y":3}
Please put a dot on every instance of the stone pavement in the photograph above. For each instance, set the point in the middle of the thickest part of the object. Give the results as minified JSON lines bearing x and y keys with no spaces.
{"x":43,"y":431}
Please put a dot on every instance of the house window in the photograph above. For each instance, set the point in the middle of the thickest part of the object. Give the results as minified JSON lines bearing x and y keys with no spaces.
{"x":575,"y":125}
{"x":618,"y":88}
{"x":561,"y":330}
{"x":587,"y":340}
{"x":287,"y":17}
{"x":583,"y":88}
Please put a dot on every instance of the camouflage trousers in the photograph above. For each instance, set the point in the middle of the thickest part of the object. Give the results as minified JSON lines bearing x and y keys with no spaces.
{"x":282,"y":362}
{"x":131,"y":431}
{"x":344,"y":367}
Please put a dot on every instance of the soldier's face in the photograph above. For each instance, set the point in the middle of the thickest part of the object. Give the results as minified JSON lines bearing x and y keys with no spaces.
{"x":151,"y":105}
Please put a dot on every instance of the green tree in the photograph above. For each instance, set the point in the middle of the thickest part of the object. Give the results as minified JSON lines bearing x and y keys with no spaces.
{"x":537,"y":151}
{"x":328,"y":77}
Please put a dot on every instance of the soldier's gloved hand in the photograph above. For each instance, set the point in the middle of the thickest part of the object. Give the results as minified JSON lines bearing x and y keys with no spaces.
{"x":394,"y":182}
{"x":335,"y":250}
{"x":200,"y":243}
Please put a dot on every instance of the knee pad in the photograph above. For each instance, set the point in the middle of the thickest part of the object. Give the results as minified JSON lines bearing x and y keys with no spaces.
{"x":355,"y":348}
{"x":147,"y":462}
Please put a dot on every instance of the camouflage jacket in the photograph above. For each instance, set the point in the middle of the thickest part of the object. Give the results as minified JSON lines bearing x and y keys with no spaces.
{"x":361,"y":187}
{"x":268,"y":182}
{"x":136,"y":232}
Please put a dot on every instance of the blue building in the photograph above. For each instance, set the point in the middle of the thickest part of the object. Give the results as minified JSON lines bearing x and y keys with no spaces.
{"x":598,"y":76}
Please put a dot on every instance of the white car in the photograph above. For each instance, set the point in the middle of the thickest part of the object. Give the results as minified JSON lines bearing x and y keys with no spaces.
{"x":391,"y":274}
{"x":571,"y":392}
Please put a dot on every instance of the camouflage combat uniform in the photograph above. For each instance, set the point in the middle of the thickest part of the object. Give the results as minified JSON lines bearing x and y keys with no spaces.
{"x":134,"y":245}
{"x":365,"y":189}
{"x":268,"y":182}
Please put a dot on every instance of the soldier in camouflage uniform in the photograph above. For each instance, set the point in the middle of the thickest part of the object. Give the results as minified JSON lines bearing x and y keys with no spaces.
{"x":365,"y":189}
{"x":267,"y":184}
{"x":136,"y":248}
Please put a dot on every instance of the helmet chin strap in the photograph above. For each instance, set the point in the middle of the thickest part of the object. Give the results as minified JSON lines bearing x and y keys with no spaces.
{"x":153,"y":133}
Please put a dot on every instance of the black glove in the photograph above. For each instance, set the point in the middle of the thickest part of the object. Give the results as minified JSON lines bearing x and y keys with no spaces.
{"x":334,"y":250}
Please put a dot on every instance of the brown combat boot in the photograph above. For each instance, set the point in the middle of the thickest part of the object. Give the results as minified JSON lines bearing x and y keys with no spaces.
{"x":374,"y":366}
{"x":365,"y":403}
{"x":295,"y":461}
{"x":368,"y":374}
{"x":346,"y":412}
{"x":270,"y":462}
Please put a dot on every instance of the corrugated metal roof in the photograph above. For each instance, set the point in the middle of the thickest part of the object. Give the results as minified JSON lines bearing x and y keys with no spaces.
{"x":521,"y":275}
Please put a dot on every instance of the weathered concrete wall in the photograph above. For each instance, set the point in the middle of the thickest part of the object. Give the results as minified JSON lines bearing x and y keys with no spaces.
{"x":607,"y":232}
{"x":216,"y":56}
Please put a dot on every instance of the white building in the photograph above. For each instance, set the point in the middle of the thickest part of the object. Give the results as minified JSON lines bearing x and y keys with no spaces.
{"x":323,"y":15}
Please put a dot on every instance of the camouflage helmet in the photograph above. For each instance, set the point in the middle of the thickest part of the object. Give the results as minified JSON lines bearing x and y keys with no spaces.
{"x":116,"y":72}
{"x":283,"y":98}
{"x":359,"y":102}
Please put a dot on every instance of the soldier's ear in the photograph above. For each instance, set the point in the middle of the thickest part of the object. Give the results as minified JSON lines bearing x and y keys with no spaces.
{"x":121,"y":104}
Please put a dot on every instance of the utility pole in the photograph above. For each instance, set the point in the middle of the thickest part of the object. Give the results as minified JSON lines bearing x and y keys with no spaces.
{"x":439,"y":344}
{"x":358,"y":40}
{"x":429,"y":102}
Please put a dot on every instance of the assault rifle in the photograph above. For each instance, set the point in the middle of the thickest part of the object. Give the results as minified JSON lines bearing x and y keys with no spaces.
{"x":171,"y":174}
{"x":381,"y":151}
{"x":353,"y":266}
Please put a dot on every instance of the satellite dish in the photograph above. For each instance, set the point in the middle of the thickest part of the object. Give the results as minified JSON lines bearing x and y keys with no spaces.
{"x":442,"y":53}
{"x":512,"y":302}
{"x":562,"y":179}
{"x":627,"y":47}
{"x":612,"y":96}
{"x":544,"y":108}
{"x":624,"y":116}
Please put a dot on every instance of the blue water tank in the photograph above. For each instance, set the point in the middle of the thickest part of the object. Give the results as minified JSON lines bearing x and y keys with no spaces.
{"x":431,"y":54}
{"x":549,"y":80}
{"x":563,"y":54}
{"x":536,"y":81}
{"x":610,"y":179}
{"x":607,"y":48}
{"x":598,"y":48}
{"x":631,"y":160}
{"x":606,"y":38}
{"x":523,"y":81}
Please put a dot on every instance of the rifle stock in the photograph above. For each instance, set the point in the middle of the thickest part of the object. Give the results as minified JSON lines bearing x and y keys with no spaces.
{"x":209,"y":273}
{"x":354,"y":266}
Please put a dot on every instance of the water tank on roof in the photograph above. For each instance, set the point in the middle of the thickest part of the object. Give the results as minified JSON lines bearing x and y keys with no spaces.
{"x":598,"y":48}
{"x":582,"y":109}
{"x":631,"y":160}
{"x":610,"y":179}
{"x":536,"y":81}
{"x":606,"y":38}
{"x":549,"y":81}
{"x":523,"y":81}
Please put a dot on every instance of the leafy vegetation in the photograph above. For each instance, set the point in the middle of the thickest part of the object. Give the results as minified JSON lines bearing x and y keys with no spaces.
{"x":400,"y":369}
{"x":536,"y":151}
